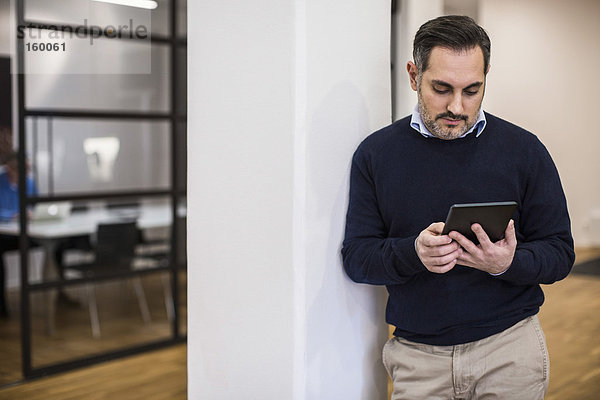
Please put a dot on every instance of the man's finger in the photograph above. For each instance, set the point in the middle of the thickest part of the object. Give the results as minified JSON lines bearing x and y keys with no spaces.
{"x":442,"y":269}
{"x":439,"y":251}
{"x":465,"y":243}
{"x":444,"y":259}
{"x":510,"y":234}
{"x":436,"y":228}
{"x":465,"y":259}
{"x":434,"y":241}
{"x":483,"y":238}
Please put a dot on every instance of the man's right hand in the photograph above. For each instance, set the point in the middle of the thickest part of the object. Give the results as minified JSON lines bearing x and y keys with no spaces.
{"x":436,"y":251}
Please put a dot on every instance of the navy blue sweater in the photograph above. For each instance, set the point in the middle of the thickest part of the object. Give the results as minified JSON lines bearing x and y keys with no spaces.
{"x":401,"y":182}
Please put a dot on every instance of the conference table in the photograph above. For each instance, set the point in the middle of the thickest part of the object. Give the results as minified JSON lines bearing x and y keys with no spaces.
{"x":85,"y":222}
{"x":49,"y":232}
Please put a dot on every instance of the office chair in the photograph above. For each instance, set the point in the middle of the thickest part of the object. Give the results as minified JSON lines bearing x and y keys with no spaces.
{"x":147,"y":248}
{"x":132,"y":209}
{"x":114,"y":252}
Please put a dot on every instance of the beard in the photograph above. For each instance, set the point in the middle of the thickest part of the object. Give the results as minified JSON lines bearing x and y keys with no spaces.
{"x":437,"y":128}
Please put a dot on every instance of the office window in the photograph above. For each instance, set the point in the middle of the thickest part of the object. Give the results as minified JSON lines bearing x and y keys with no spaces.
{"x":80,"y":12}
{"x":107,"y":78}
{"x":64,"y":160}
{"x":104,"y":128}
{"x":126,"y":312}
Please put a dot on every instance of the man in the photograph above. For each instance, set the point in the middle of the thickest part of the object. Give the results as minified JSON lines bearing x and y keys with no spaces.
{"x":9,"y":190}
{"x":9,"y":211}
{"x":465,"y":314}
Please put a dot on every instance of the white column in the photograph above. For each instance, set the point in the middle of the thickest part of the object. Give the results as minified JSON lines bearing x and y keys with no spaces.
{"x":280,"y":95}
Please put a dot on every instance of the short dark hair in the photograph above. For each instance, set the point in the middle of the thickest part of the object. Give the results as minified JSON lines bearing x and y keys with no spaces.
{"x":455,"y":32}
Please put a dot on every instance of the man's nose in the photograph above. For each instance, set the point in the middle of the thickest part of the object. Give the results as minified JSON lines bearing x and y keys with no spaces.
{"x":455,"y":106}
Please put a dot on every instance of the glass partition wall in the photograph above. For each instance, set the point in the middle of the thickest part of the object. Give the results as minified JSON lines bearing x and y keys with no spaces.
{"x":102,"y":134}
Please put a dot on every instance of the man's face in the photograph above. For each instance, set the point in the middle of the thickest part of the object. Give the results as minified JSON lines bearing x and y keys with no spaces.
{"x":450,"y":91}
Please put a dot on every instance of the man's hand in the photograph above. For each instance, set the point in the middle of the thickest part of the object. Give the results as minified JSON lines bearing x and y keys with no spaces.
{"x":493,"y":258}
{"x":439,"y":253}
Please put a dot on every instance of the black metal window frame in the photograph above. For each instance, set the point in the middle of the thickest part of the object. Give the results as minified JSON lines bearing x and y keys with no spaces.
{"x":176,"y":195}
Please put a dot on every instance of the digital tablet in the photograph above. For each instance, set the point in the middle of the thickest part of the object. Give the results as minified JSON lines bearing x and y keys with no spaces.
{"x":493,"y":217}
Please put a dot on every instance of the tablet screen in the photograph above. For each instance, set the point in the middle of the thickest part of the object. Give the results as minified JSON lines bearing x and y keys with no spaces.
{"x":493,"y":217}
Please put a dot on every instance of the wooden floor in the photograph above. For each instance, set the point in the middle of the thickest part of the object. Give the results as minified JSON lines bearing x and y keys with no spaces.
{"x":158,"y":375}
{"x":569,"y":318}
{"x":571,"y":322}
{"x":120,"y":322}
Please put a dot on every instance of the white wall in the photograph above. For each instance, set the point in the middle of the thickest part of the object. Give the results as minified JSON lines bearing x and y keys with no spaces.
{"x":276,"y":108}
{"x":240,"y":165}
{"x":545,"y":57}
{"x":348,"y":96}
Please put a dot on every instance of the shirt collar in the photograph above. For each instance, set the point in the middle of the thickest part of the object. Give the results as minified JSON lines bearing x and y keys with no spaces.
{"x":416,"y":122}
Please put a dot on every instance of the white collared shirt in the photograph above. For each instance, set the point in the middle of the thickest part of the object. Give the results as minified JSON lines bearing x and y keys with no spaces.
{"x":416,"y":122}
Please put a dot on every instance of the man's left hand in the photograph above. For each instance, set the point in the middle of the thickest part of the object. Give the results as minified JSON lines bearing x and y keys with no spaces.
{"x":493,"y":258}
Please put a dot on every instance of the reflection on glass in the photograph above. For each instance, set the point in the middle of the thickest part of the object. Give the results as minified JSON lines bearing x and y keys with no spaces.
{"x":83,"y":156}
{"x":53,"y":53}
{"x":146,"y":4}
{"x":118,"y":75}
{"x":86,"y":156}
{"x":124,"y":320}
{"x":78,"y":12}
{"x":101,"y":154}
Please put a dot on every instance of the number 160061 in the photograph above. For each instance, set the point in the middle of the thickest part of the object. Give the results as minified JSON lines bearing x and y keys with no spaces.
{"x":46,"y":46}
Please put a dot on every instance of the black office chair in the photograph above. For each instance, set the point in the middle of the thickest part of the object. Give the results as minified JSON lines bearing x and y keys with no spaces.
{"x":149,"y":248}
{"x":114,"y":252}
{"x":132,"y":209}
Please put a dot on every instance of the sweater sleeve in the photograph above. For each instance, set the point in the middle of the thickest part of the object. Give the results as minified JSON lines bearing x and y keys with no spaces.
{"x":544,"y":251}
{"x":369,"y":255}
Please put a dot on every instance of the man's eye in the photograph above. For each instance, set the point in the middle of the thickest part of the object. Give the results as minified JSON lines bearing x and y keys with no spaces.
{"x":471,"y":93}
{"x":440,"y":91}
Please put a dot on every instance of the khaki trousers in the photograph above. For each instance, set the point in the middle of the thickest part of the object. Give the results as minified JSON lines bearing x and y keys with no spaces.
{"x":511,"y":365}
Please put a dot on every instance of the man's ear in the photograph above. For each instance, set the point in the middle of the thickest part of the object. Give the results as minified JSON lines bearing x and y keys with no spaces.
{"x":413,"y":72}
